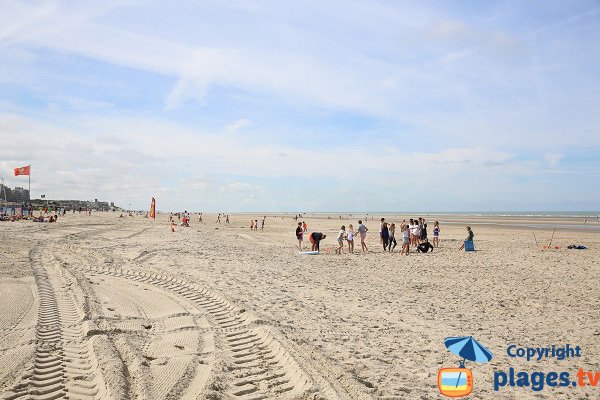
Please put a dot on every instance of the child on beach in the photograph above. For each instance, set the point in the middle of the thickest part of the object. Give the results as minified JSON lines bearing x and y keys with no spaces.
{"x":304,"y":226}
{"x":299,"y":235}
{"x":340,"y":240}
{"x":405,"y":239}
{"x":362,"y":231}
{"x":436,"y":234}
{"x":350,"y":238}
{"x":392,"y":240}
{"x":251,"y":225}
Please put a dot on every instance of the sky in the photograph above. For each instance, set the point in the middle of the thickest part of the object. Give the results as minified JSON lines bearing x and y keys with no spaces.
{"x":299,"y":106}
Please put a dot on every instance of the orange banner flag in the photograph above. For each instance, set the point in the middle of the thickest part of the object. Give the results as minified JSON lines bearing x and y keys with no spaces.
{"x":153,"y":209}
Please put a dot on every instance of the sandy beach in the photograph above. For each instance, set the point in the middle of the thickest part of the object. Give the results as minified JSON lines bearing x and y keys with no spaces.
{"x":120,"y":308}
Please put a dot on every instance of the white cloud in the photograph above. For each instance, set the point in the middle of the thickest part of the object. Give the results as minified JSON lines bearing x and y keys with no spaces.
{"x":553,"y":159}
{"x":237,"y":125}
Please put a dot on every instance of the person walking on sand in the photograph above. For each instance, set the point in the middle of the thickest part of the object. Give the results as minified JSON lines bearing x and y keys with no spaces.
{"x":251,"y":225}
{"x":362,"y":232}
{"x":304,"y":226}
{"x":436,"y":234}
{"x":392,"y":240}
{"x":405,"y":239}
{"x":350,"y":238}
{"x":340,"y":239}
{"x":381,"y":231}
{"x":470,"y":236}
{"x":219,"y":218}
{"x":315,"y":240}
{"x":385,"y":235}
{"x":255,"y":224}
{"x":227,"y":219}
{"x":299,"y":235}
{"x":262,"y":224}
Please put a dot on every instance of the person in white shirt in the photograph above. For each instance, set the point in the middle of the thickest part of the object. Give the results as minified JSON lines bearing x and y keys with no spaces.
{"x":350,"y":238}
{"x":340,"y":238}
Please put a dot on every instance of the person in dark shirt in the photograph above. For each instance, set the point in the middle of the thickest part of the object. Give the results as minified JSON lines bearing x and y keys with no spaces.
{"x":299,"y":235}
{"x":470,"y":236}
{"x":385,"y":235}
{"x":424,"y":247}
{"x":315,"y":239}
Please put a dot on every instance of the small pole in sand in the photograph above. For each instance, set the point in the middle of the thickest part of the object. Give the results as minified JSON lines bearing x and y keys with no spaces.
{"x":552,"y":238}
{"x":534,"y":238}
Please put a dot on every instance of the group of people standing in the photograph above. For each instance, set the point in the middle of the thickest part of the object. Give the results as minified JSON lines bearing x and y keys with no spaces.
{"x":414,"y":233}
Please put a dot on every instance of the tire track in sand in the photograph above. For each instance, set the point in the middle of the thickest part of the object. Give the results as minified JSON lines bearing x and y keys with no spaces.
{"x":256,"y":364}
{"x":64,"y":364}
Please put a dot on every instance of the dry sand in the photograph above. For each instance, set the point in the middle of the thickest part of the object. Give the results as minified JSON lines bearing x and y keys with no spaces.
{"x":102,"y":307}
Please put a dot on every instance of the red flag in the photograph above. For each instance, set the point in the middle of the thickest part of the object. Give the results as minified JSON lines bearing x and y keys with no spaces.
{"x":153,"y":209}
{"x":22,"y":171}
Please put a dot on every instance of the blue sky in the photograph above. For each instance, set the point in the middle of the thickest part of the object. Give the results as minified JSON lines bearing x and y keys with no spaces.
{"x":305,"y":106}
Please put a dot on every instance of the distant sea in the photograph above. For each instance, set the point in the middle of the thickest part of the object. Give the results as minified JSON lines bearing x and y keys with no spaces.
{"x":533,"y":214}
{"x":592,"y":218}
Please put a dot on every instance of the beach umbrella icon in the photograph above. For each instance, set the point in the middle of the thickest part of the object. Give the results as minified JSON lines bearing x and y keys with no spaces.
{"x":458,"y":382}
{"x":468,"y":348}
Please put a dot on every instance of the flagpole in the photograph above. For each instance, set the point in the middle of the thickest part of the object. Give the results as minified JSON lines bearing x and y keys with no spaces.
{"x":29,"y":184}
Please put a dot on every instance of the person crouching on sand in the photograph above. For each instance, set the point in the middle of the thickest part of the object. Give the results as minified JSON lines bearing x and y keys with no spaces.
{"x":340,"y":239}
{"x":299,"y":235}
{"x":315,"y":239}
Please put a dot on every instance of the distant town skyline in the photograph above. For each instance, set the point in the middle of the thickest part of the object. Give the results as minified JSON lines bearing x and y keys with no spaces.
{"x":312,"y":106}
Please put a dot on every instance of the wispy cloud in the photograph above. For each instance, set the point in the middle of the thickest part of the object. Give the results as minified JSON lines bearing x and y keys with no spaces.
{"x":273,"y":104}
